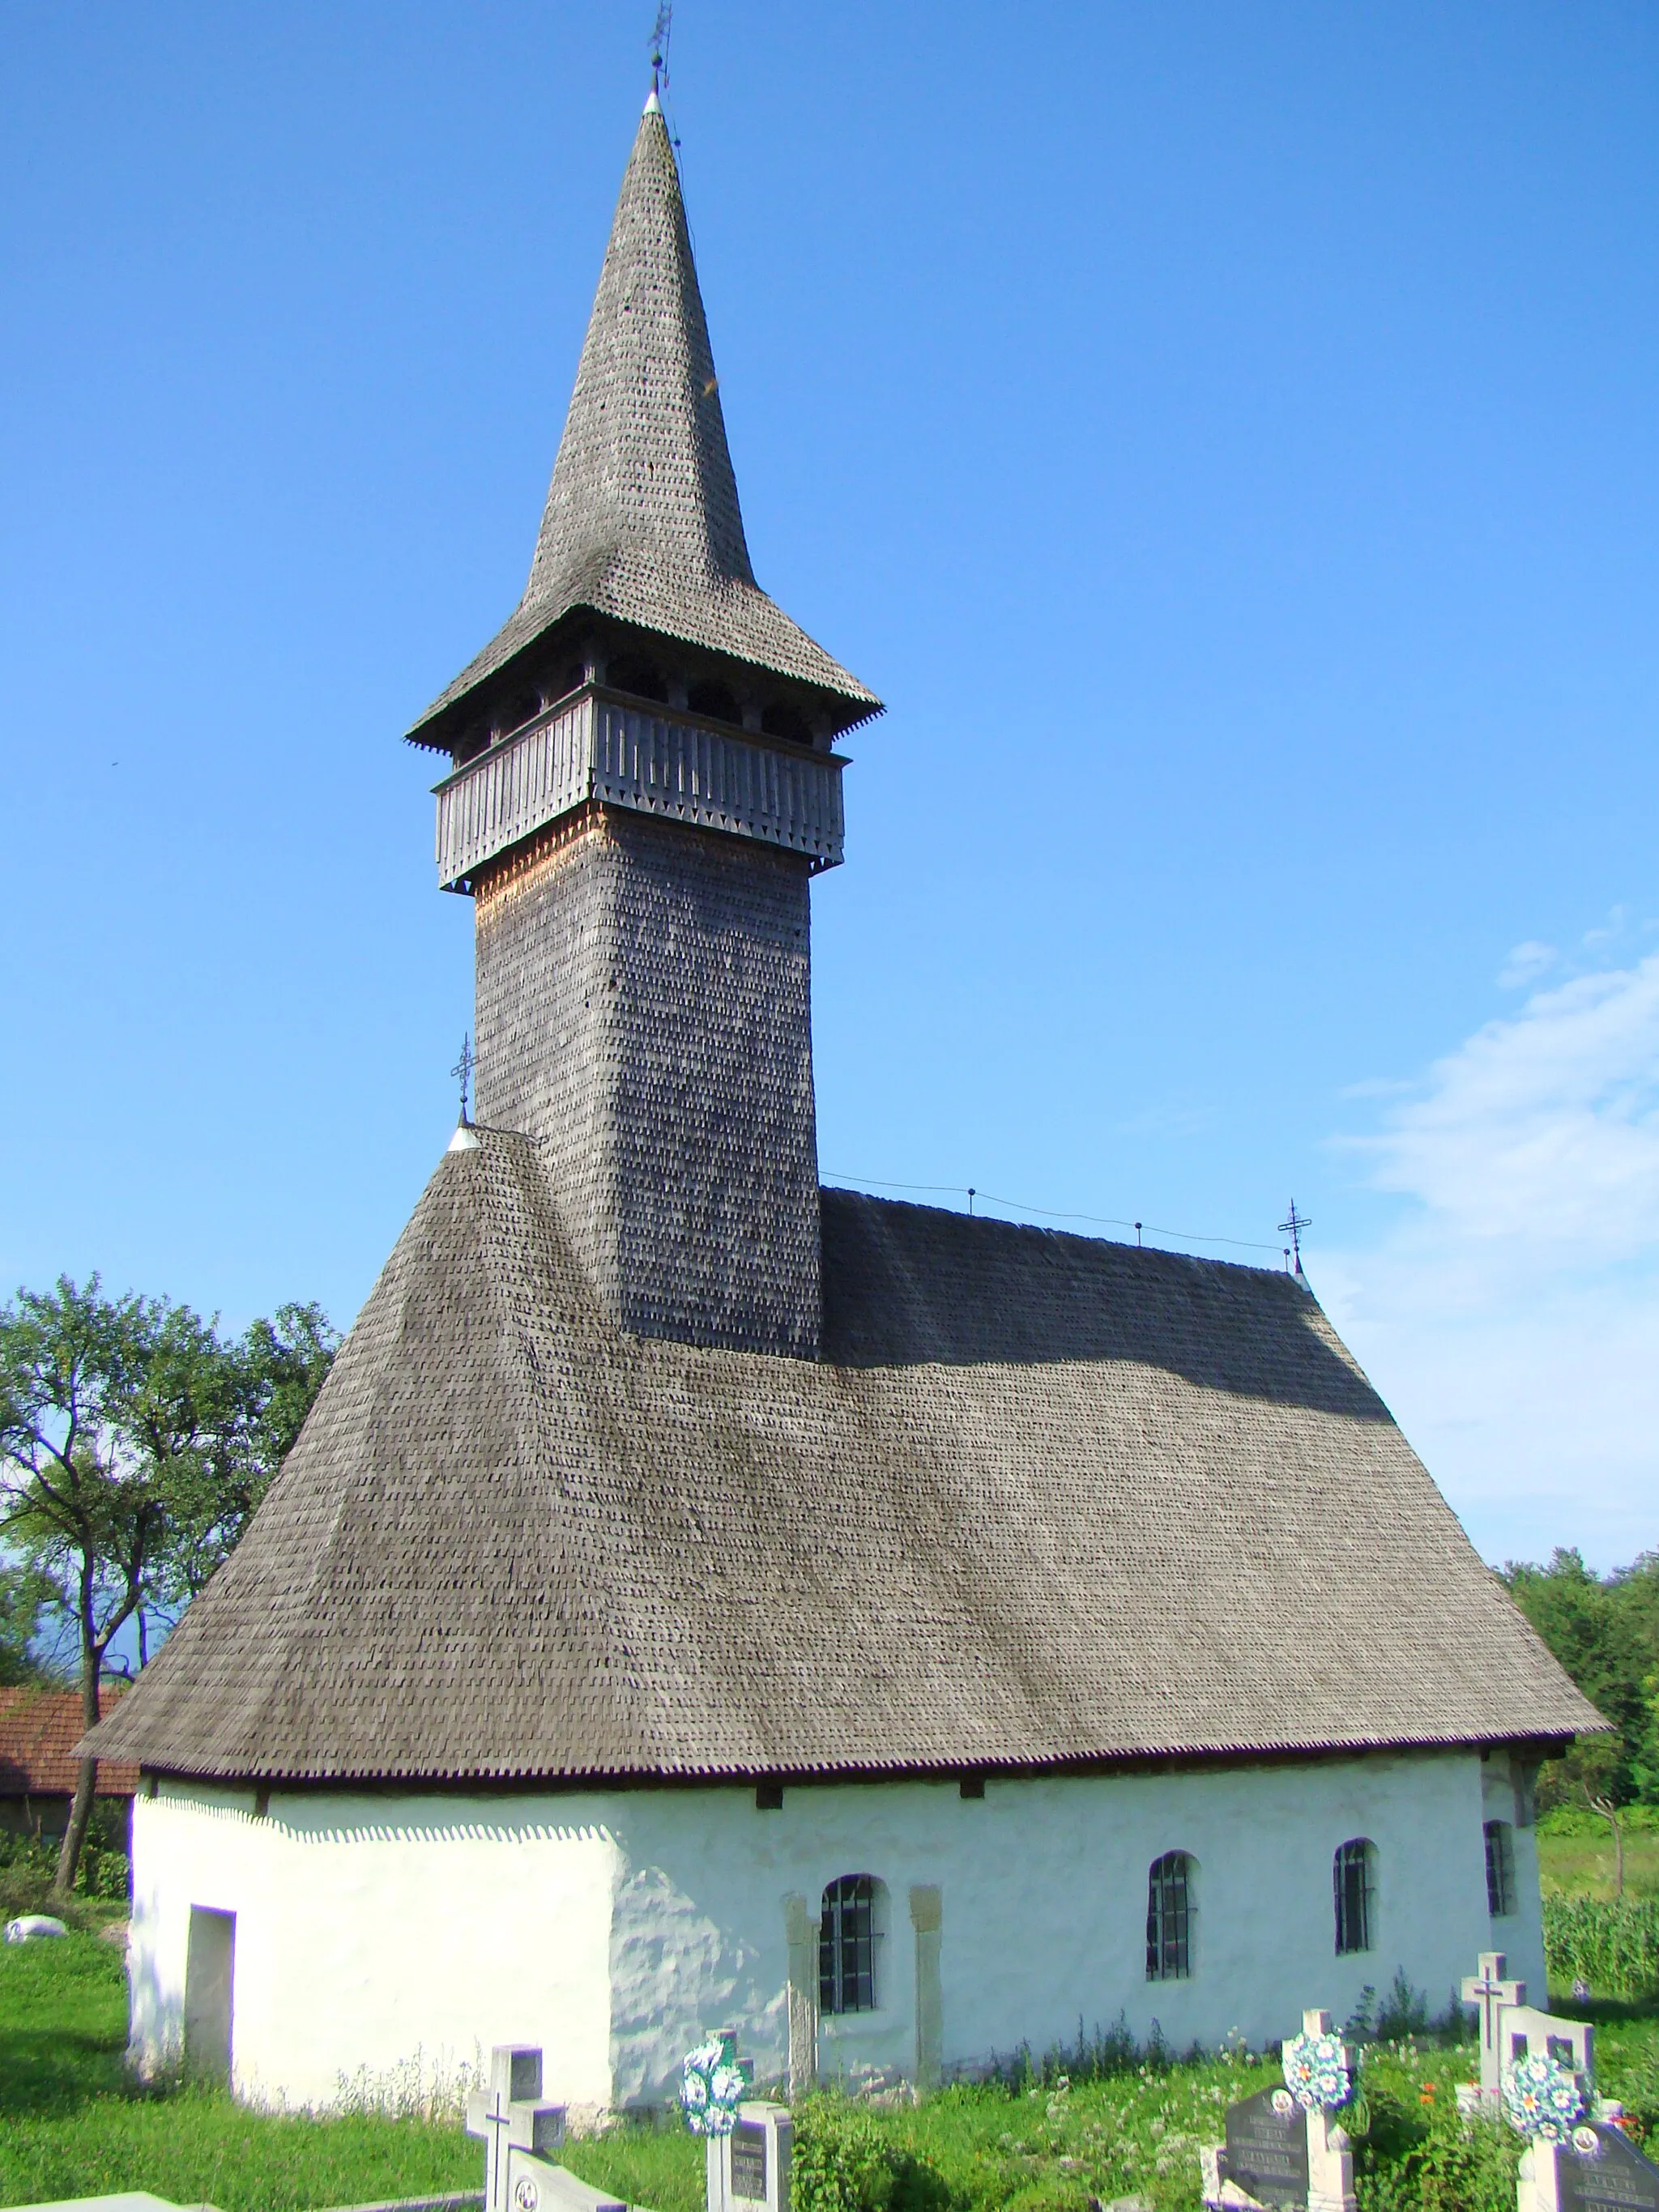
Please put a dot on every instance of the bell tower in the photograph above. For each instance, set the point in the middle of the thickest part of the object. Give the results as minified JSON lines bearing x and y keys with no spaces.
{"x":644,"y":782}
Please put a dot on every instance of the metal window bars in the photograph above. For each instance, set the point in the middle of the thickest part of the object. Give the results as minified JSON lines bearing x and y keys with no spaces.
{"x":1500,"y":1869}
{"x":1352,"y":1881}
{"x":846,"y":1945}
{"x":1169,"y":1918}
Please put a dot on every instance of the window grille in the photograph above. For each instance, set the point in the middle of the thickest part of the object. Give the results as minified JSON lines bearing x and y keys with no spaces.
{"x":847,"y":1936}
{"x":1169,"y":1918}
{"x":1500,"y":1869}
{"x":1353,"y":1876}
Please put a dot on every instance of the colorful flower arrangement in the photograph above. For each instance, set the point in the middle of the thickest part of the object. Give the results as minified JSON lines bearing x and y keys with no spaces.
{"x":712,"y":2086}
{"x":1316,"y":2071}
{"x":1543,"y":2097}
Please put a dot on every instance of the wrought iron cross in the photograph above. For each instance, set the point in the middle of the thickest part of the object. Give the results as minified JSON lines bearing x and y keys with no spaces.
{"x":462,"y":1071}
{"x":1292,"y":1227}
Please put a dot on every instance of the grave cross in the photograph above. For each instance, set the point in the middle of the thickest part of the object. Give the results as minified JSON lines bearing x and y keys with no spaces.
{"x":510,"y":2116}
{"x":1494,"y":1996}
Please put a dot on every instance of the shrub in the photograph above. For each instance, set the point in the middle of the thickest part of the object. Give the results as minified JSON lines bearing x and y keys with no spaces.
{"x":845,"y":2161}
{"x":1613,"y":1945}
{"x":1579,"y":1821}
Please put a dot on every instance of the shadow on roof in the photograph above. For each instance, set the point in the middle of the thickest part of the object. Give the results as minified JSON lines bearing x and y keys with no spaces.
{"x":906,"y":1286}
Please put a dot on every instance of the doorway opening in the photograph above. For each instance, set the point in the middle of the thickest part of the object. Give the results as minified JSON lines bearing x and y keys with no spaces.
{"x":210,"y":1981}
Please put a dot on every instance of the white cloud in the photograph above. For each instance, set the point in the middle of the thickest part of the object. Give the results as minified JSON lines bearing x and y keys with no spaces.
{"x":1511,"y":1317}
{"x":1526,"y":963}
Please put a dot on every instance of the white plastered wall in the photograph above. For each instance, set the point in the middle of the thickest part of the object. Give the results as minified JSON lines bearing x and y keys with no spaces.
{"x":381,"y":1941}
{"x":1506,"y":1794}
{"x":615,"y":1927}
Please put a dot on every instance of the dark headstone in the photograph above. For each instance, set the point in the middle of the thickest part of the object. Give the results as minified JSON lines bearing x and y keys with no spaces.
{"x":1612,"y":2176}
{"x":1267,"y":2147}
{"x":748,"y":2161}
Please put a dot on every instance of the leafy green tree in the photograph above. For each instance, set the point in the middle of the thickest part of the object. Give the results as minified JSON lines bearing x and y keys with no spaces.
{"x":135,"y":1445}
{"x":1605,"y":1634}
{"x":24,"y":1596}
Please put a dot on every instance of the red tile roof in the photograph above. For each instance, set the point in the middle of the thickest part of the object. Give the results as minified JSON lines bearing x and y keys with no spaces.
{"x":38,"y":1730}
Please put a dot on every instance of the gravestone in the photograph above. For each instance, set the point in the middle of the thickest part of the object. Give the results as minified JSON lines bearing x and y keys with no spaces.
{"x":1264,"y":2160}
{"x":518,"y":2131}
{"x":1280,"y":2151}
{"x":1529,"y":2034}
{"x":1597,"y":2170}
{"x":749,"y":2169}
{"x":1492,"y":1996}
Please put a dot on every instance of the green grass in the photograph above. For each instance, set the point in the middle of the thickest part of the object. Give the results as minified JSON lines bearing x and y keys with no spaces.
{"x":1582,"y":1865}
{"x":71,"y":2124}
{"x":661,"y":2166}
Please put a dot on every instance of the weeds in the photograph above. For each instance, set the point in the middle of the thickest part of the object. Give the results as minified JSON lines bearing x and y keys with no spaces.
{"x":1612,"y":1944}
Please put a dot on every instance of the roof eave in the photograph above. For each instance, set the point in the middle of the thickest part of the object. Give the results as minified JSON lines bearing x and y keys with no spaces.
{"x":431,"y":729}
{"x":1545,"y":1744}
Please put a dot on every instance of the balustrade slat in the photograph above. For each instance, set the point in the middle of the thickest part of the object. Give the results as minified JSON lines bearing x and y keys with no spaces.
{"x":648,"y":762}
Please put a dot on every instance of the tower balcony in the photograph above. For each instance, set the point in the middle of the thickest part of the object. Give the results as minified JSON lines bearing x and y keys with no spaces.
{"x":596,"y":746}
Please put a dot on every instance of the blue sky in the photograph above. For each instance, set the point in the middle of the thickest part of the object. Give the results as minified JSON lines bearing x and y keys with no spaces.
{"x":1224,"y":437}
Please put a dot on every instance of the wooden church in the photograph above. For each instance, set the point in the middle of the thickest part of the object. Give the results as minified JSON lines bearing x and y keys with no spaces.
{"x":701,"y":1599}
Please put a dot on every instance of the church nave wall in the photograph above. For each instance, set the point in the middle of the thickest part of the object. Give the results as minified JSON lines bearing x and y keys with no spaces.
{"x":380,"y":1941}
{"x":616,"y":1928}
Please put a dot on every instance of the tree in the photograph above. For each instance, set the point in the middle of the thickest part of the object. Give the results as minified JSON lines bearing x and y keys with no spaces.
{"x":1606,"y":1634}
{"x":135,"y":1446}
{"x":24,"y":1594}
{"x":267,"y":1380}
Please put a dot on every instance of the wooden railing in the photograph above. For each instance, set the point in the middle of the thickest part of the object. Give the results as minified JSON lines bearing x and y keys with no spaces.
{"x":597,"y":747}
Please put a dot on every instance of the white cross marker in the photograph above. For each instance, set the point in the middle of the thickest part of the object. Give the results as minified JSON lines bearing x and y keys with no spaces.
{"x":510,"y":2116}
{"x":1495,"y":1996}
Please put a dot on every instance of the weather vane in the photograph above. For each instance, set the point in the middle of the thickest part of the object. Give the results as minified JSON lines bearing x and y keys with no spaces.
{"x":462,"y":1071}
{"x":661,"y":31}
{"x":1292,"y":1227}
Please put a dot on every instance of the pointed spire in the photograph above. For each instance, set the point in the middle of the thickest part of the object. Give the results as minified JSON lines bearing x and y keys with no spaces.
{"x":643,"y":465}
{"x":642,"y":521}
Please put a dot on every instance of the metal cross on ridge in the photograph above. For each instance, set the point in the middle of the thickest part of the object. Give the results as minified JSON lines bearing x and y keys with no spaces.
{"x":462,"y":1070}
{"x":1292,"y":1227}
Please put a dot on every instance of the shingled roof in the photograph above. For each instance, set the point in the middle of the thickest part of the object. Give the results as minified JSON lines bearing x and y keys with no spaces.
{"x":1048,"y":1499}
{"x":39,"y":1731}
{"x":642,"y":521}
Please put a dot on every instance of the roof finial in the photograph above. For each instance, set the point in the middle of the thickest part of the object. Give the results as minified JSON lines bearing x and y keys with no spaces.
{"x":466,"y":1137}
{"x":1292,"y":1227}
{"x":661,"y":32}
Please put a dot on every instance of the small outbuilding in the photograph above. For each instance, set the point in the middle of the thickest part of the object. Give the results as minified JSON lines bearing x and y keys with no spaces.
{"x":39,"y":1732}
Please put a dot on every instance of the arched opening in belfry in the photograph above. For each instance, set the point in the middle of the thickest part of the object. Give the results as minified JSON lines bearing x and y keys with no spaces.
{"x":783,"y":719}
{"x":715,"y":700}
{"x":521,"y":707}
{"x":635,"y":673}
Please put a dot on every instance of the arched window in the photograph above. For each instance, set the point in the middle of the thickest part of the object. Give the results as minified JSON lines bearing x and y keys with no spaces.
{"x":1500,"y":1869}
{"x":849,"y":1935}
{"x":522,"y":707}
{"x":783,"y":719}
{"x":715,"y":700}
{"x":1169,"y":1918}
{"x":1354,"y":1877}
{"x":632,"y":671}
